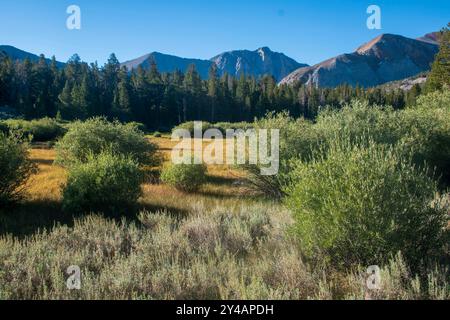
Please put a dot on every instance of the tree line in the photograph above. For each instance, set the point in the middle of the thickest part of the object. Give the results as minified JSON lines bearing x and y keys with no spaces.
{"x":79,"y":90}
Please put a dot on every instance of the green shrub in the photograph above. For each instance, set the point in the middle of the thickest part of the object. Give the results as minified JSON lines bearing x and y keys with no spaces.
{"x":435,"y":100}
{"x":190,"y":127}
{"x":363,"y":203}
{"x":41,"y":130}
{"x":138,"y":126}
{"x":95,"y":135}
{"x":157,"y":134}
{"x":184,"y":177}
{"x":359,"y":119}
{"x":4,"y":127}
{"x":224,"y":126}
{"x":425,"y":131}
{"x":297,"y":140}
{"x":105,"y":182}
{"x":15,"y":167}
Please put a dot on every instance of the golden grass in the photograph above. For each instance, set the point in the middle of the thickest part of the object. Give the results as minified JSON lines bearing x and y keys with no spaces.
{"x":223,"y":187}
{"x":46,"y":184}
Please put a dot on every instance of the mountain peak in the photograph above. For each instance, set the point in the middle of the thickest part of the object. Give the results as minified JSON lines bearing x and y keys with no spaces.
{"x":17,"y":54}
{"x":169,"y":63}
{"x":383,"y":38}
{"x":386,"y":58}
{"x":265,"y":49}
{"x":257,"y":63}
{"x":432,"y":37}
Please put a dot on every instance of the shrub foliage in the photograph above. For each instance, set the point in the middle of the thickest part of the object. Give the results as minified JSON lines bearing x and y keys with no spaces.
{"x":363,"y":203}
{"x":45,"y":129}
{"x":184,"y":177}
{"x":96,"y":135}
{"x":15,"y":167}
{"x":103,"y":183}
{"x":422,"y":130}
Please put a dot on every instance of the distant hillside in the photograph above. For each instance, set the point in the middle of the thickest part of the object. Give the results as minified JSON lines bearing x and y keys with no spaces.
{"x":432,"y":38}
{"x":255,"y":63}
{"x":386,"y":58}
{"x":17,"y":54}
{"x":169,"y":63}
{"x":405,"y":84}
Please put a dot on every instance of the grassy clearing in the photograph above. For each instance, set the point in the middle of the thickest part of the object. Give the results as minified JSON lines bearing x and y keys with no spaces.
{"x":41,"y":207}
{"x":222,"y":242}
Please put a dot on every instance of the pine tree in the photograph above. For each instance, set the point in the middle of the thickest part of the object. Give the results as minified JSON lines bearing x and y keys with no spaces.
{"x":22,"y":86}
{"x":439,"y":76}
{"x":40,"y":82}
{"x":153,"y":76}
{"x":65,"y":101}
{"x":80,"y":100}
{"x":192,"y":85}
{"x":6,"y":78}
{"x":411,"y":95}
{"x":121,"y":103}
{"x":213,"y":87}
{"x":110,"y":79}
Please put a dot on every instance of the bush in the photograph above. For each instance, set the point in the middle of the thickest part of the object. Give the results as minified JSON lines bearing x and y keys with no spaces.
{"x":423,"y":130}
{"x":157,"y":134}
{"x":96,"y":135}
{"x":435,"y":100}
{"x":184,"y":177}
{"x":363,"y":203}
{"x":4,"y":127}
{"x":41,"y":130}
{"x":297,"y":140}
{"x":15,"y":167}
{"x":138,"y":126}
{"x":190,"y":127}
{"x":106,"y":183}
{"x":359,"y":119}
{"x":166,"y":256}
{"x":224,"y":126}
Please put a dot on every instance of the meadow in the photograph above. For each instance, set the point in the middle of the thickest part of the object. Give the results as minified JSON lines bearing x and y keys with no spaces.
{"x":353,"y":191}
{"x":43,"y":191}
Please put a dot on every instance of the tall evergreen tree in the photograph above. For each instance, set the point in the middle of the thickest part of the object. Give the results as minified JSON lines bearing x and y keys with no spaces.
{"x":121,"y":104}
{"x":109,"y":82}
{"x":439,"y":76}
{"x":80,"y":100}
{"x":213,"y":87}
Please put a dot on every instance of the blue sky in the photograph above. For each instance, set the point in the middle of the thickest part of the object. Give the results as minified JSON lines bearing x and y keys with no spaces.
{"x":308,"y":31}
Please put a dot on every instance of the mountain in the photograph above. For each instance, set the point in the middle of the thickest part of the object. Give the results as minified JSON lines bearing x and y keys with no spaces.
{"x":432,"y":38}
{"x":169,"y":63}
{"x":405,"y":84}
{"x":386,"y":58}
{"x":16,"y":54}
{"x":257,"y":63}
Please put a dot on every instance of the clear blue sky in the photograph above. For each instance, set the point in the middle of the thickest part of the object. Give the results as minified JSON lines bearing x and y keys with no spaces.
{"x":309,"y":31}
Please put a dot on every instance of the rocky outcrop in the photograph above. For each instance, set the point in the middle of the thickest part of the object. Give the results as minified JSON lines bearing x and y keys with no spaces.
{"x":386,"y":58}
{"x":257,"y":63}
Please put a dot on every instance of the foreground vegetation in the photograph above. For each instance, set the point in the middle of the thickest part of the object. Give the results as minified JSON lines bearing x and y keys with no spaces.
{"x":216,"y":253}
{"x":365,"y":185}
